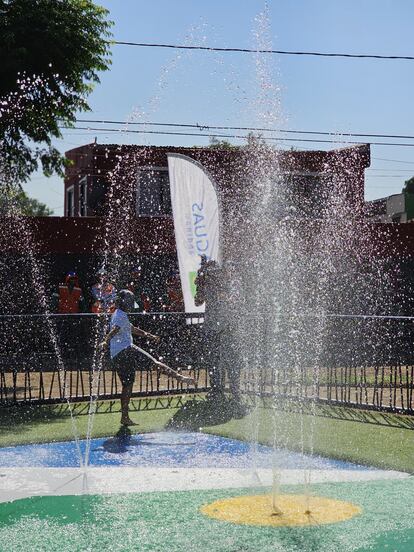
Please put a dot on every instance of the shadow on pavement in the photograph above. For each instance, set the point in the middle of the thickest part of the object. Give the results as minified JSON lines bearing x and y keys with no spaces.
{"x":201,"y":413}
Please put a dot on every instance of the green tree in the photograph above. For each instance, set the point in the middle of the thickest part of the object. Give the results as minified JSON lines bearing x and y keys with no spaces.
{"x":256,"y":140}
{"x":215,"y":143}
{"x":51,"y":53}
{"x":17,"y":202}
{"x":409,"y":186}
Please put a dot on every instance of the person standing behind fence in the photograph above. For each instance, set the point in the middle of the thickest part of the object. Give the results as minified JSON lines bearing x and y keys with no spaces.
{"x":69,"y":297}
{"x":174,"y":300}
{"x":103,"y":294}
{"x":208,"y":290}
{"x":216,"y":287}
{"x":230,"y":334}
{"x":127,"y":357}
{"x":134,"y":284}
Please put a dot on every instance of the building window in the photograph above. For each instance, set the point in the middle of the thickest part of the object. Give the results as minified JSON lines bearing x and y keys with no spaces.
{"x":305,"y":193}
{"x":153,"y":192}
{"x":83,"y":197}
{"x":70,"y":202}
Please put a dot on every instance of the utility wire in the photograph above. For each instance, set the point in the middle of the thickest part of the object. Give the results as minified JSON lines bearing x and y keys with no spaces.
{"x":259,"y":51}
{"x":203,"y":127}
{"x":104,"y":172}
{"x":393,"y":160}
{"x":169,"y":133}
{"x":245,"y":137}
{"x":382,"y":169}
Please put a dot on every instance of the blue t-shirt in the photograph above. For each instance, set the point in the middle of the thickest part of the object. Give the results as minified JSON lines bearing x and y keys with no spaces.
{"x":123,"y":338}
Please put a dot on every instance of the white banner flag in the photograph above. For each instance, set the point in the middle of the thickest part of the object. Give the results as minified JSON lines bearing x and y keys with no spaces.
{"x":196,"y":221}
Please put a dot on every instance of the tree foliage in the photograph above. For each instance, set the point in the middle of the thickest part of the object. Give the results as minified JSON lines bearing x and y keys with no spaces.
{"x":52,"y":52}
{"x":17,"y":202}
{"x":409,"y":186}
{"x":215,"y":143}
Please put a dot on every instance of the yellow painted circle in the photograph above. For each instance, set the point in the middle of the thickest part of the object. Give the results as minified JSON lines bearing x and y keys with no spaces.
{"x":295,"y":510}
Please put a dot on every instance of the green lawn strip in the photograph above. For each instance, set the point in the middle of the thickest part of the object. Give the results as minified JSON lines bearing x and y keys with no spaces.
{"x":354,"y":440}
{"x":41,"y":424}
{"x":366,"y":443}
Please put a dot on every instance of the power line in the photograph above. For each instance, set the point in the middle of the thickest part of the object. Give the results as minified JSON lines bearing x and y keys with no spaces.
{"x":103,"y":173}
{"x":393,"y":160}
{"x":245,"y":137}
{"x":170,"y":133}
{"x":375,"y":185}
{"x":391,"y":170}
{"x":202,"y":127}
{"x":260,"y":51}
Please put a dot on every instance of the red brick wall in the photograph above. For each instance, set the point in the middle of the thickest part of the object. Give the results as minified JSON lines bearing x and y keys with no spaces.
{"x":228,"y":168}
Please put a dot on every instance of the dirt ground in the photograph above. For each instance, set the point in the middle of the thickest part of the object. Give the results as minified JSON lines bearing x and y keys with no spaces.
{"x":79,"y":384}
{"x":384,"y":386}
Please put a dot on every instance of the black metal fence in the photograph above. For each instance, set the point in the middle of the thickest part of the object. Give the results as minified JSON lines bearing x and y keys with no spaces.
{"x":365,"y":362}
{"x":53,"y":359}
{"x":357,"y":361}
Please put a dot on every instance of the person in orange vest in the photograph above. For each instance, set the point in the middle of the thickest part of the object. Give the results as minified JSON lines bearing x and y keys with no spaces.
{"x":70,"y":296}
{"x":174,"y":300}
{"x":103,"y":294}
{"x":134,"y":284}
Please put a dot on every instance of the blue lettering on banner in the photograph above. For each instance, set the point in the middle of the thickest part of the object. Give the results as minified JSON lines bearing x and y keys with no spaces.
{"x":202,"y":245}
{"x":199,"y":227}
{"x":197,"y":219}
{"x":189,"y":235}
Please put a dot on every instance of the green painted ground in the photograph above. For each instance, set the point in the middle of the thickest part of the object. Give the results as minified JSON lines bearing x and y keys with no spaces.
{"x":44,"y":424}
{"x":382,"y":440}
{"x":171,"y":522}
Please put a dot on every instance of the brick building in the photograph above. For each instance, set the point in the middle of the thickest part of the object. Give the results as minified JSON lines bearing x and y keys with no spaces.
{"x":142,"y":173}
{"x":394,"y":208}
{"x":138,"y":177}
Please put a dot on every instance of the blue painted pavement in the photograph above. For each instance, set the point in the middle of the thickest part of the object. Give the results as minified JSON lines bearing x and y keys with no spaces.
{"x":168,"y":449}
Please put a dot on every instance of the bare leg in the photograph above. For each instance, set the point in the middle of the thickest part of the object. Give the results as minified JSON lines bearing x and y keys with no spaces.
{"x":164,"y":369}
{"x":125,"y":398}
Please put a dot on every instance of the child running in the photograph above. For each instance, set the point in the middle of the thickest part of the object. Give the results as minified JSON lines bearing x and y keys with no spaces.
{"x":127,"y":357}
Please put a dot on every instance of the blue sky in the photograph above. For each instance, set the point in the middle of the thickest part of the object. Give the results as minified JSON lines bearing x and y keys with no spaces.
{"x":322,"y":94}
